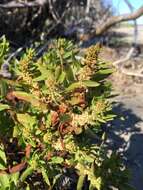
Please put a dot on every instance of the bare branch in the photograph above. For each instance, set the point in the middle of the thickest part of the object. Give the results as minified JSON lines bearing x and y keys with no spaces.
{"x":5,"y":66}
{"x":117,"y":19}
{"x":135,"y":22}
{"x":88,"y":6}
{"x":118,"y":64}
{"x":14,"y":4}
{"x":54,"y":13}
{"x":137,"y":73}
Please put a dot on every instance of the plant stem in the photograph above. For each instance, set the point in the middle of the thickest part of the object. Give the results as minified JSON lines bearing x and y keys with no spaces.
{"x":80,"y":182}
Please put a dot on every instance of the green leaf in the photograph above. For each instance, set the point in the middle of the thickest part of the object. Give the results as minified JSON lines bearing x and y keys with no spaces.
{"x":105,"y":71}
{"x":101,"y":120}
{"x":89,"y":83}
{"x":45,"y":175}
{"x":4,"y":48}
{"x":89,"y":159}
{"x":95,"y":182}
{"x":80,"y":182}
{"x":16,"y":131}
{"x":57,"y":160}
{"x":27,"y":187}
{"x":3,"y":88}
{"x":47,"y":138}
{"x":40,"y":78}
{"x":26,"y":119}
{"x":4,"y":181}
{"x":4,"y":107}
{"x":45,"y":73}
{"x":3,"y":160}
{"x":56,"y":178}
{"x":67,"y":55}
{"x":29,"y":98}
{"x":69,"y":73}
{"x":26,"y":173}
{"x":75,"y":100}
{"x":58,"y":72}
{"x":73,"y":86}
{"x":14,"y":177}
{"x":62,"y":77}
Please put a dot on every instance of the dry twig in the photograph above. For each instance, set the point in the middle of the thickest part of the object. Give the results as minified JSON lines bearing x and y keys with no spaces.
{"x":14,"y":4}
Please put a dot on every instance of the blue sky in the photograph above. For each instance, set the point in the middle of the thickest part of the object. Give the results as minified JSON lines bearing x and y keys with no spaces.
{"x":122,"y":8}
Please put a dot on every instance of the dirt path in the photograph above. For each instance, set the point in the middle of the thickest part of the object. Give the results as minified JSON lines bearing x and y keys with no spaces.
{"x":127,"y":33}
{"x":126,"y":134}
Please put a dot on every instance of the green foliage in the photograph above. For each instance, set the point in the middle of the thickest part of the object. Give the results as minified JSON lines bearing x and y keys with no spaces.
{"x":54,"y":108}
{"x":4,"y":47}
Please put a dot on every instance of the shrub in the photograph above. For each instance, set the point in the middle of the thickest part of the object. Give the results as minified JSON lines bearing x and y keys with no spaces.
{"x":51,"y":117}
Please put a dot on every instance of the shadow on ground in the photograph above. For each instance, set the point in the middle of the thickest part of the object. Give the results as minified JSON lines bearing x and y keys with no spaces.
{"x":126,"y":137}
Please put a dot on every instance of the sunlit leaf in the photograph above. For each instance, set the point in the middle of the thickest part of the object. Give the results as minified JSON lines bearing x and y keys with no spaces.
{"x":73,"y":86}
{"x":26,"y":173}
{"x":62,"y":77}
{"x":3,"y":161}
{"x":29,"y":98}
{"x":4,"y":107}
{"x":90,"y":83}
{"x":4,"y":181}
{"x":57,"y":160}
{"x":26,"y":119}
{"x":45,"y":175}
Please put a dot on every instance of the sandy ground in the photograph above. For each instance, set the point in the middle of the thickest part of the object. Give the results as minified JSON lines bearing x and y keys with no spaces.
{"x":126,"y":134}
{"x":128,"y":33}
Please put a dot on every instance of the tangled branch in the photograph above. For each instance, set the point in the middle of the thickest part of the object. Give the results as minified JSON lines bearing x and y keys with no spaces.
{"x":14,"y":4}
{"x":117,"y":19}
